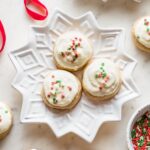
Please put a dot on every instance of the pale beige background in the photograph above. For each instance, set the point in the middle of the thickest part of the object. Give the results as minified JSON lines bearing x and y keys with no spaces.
{"x":111,"y":136}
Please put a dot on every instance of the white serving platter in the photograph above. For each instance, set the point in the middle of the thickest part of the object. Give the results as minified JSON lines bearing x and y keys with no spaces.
{"x":35,"y":59}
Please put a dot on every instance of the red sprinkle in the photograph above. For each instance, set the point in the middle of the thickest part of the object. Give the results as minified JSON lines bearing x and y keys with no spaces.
{"x":100,"y":75}
{"x":70,"y":88}
{"x":101,"y":87}
{"x":108,"y":78}
{"x":147,"y":23}
{"x":72,"y":46}
{"x":49,"y":95}
{"x":62,"y":96}
{"x":53,"y":83}
{"x":76,"y":54}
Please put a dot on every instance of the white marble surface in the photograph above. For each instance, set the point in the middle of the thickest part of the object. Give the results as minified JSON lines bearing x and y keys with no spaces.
{"x":113,"y":14}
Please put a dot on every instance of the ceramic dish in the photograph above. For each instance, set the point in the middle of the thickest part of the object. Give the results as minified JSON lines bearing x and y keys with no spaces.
{"x":35,"y":59}
{"x":141,"y":111}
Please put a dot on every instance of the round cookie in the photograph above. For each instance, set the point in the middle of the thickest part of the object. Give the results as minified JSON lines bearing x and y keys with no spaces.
{"x":72,"y":51}
{"x":5,"y":120}
{"x":101,"y":79}
{"x":141,"y":33}
{"x":61,"y":90}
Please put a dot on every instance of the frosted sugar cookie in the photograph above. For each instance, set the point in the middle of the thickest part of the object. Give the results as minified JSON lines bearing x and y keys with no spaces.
{"x":61,"y":90}
{"x":5,"y":120}
{"x":72,"y":51}
{"x":101,"y":79}
{"x":141,"y":33}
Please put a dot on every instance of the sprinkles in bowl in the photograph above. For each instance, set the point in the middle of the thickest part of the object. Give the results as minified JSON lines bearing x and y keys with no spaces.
{"x":140,"y":132}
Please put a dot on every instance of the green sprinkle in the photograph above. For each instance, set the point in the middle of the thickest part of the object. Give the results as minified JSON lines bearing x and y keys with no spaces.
{"x":76,"y":45}
{"x":69,"y":48}
{"x":58,"y":81}
{"x":104,"y":75}
{"x":6,"y":111}
{"x":74,"y":58}
{"x":96,"y":76}
{"x":133,"y":133}
{"x":141,"y":120}
{"x":144,"y":131}
{"x":56,"y":92}
{"x":138,"y":37}
{"x":147,"y":30}
{"x":141,"y":141}
{"x":54,"y":100}
{"x":149,"y":124}
{"x":106,"y":87}
{"x":103,"y":64}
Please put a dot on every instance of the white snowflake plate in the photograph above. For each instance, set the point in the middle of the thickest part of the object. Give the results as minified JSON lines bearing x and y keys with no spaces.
{"x":34,"y":60}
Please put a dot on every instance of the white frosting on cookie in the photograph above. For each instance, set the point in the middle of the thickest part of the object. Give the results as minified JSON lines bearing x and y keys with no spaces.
{"x":142,"y":31}
{"x":60,"y":88}
{"x":72,"y":50}
{"x":5,"y":118}
{"x":101,"y":77}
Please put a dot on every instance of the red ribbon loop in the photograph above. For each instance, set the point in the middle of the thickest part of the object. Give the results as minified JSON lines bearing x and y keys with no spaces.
{"x":39,"y":5}
{"x":2,"y":31}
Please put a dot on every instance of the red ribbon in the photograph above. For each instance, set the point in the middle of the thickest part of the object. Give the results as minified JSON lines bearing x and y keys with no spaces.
{"x":39,"y":5}
{"x":2,"y":31}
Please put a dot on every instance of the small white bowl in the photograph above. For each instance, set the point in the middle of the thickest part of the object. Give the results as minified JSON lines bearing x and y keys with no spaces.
{"x":141,"y":111}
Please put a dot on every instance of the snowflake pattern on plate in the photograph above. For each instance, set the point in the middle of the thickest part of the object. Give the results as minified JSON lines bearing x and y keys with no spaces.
{"x":34,"y":60}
